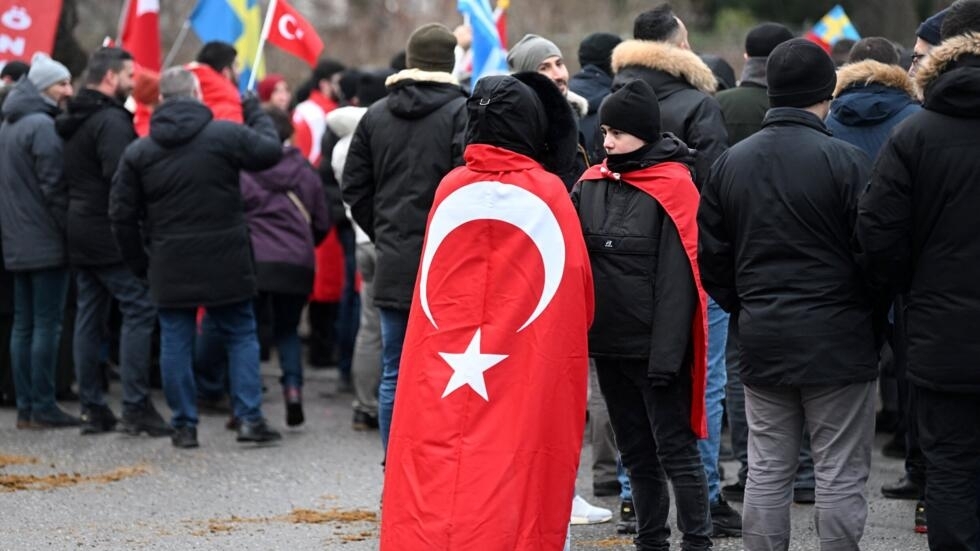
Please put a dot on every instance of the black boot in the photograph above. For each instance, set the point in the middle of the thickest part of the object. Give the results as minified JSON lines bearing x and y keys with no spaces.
{"x":98,"y":419}
{"x":145,"y":418}
{"x":257,"y":431}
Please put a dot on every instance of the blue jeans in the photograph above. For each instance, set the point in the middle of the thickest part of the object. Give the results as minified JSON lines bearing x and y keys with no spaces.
{"x":714,"y":395}
{"x":235,"y":324}
{"x":96,"y":289}
{"x":625,"y":491}
{"x":39,"y":304}
{"x":394,"y":322}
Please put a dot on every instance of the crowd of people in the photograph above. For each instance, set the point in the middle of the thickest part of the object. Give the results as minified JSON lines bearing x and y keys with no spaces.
{"x":782,"y":251}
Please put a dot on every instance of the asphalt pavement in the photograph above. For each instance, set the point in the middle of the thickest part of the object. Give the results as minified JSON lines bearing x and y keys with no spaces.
{"x":318,"y":489}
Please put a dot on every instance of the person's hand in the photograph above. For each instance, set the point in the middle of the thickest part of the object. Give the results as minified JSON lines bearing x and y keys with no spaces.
{"x":464,"y":36}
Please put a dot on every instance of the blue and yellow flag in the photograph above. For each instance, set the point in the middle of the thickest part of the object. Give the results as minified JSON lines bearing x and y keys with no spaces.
{"x":237,"y":22}
{"x":834,"y":26}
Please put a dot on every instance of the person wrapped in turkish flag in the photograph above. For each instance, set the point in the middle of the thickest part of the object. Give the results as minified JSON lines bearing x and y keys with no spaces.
{"x":490,"y":407}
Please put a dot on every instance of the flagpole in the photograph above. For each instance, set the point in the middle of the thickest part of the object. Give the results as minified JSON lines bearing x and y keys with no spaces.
{"x":122,"y":21}
{"x":263,"y":36}
{"x":181,"y":36}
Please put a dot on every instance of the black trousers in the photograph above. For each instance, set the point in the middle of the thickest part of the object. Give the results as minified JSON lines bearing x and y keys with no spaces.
{"x":949,"y":432}
{"x":654,"y":436}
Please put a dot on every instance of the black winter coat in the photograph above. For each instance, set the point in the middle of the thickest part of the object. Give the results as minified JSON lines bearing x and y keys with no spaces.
{"x":176,"y":208}
{"x":403,"y":146}
{"x":775,"y":222}
{"x":96,"y":130}
{"x":683,"y":84}
{"x":645,"y":295}
{"x":33,"y":202}
{"x":918,"y":223}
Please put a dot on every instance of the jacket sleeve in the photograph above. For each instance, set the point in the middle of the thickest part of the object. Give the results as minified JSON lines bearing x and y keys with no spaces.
{"x":126,"y":208}
{"x":883,"y":231}
{"x":706,"y":134}
{"x":257,"y":145}
{"x":459,"y":134}
{"x":716,"y":252}
{"x":674,"y":302}
{"x":357,"y":184}
{"x":331,"y":187}
{"x":46,"y":149}
{"x":114,"y":134}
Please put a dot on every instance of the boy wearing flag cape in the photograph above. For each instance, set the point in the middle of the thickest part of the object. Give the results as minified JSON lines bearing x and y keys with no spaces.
{"x":490,"y":407}
{"x":638,"y":214}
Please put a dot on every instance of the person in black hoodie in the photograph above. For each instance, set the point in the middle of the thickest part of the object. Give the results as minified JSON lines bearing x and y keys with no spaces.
{"x":177,"y":216}
{"x":917,"y":227}
{"x":776,"y":218}
{"x":96,"y":129}
{"x":403,"y":146}
{"x":649,"y":335}
{"x":594,"y":83}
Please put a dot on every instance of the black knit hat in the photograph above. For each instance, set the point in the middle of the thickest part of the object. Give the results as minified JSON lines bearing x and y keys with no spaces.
{"x":799,"y":74}
{"x":764,"y":37}
{"x":929,"y":30}
{"x":596,"y":49}
{"x":431,"y":48}
{"x":633,"y":109}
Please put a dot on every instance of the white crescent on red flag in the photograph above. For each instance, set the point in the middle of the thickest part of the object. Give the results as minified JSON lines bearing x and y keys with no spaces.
{"x":490,"y":404}
{"x":294,"y":34}
{"x":27,"y":28}
{"x":140,"y":32}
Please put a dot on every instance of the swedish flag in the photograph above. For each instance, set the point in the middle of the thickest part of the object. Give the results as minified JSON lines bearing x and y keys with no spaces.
{"x":237,"y":22}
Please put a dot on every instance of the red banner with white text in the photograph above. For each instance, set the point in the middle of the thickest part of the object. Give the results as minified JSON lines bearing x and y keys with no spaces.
{"x":27,"y":27}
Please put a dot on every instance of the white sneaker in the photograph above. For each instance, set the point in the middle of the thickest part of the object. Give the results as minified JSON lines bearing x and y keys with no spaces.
{"x":585,"y":513}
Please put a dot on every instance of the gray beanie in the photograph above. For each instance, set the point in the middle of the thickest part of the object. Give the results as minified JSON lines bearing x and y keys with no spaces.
{"x":46,"y":71}
{"x":527,"y":54}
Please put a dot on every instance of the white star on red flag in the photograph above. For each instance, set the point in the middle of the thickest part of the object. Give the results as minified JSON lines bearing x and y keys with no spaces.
{"x":469,"y":366}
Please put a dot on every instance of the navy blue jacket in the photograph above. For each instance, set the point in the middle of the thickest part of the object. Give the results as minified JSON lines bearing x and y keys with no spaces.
{"x":872,"y":99}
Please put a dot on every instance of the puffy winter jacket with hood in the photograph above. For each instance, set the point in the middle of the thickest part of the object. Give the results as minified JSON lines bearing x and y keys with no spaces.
{"x":400,"y":151}
{"x":684,"y":86}
{"x":918,"y":224}
{"x":176,"y":206}
{"x":870,"y":100}
{"x":33,"y":202}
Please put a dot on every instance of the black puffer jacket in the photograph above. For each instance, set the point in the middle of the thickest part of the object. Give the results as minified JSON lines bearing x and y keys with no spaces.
{"x":96,"y":130}
{"x":775,"y":221}
{"x":683,"y":84}
{"x":918,"y":221}
{"x":400,"y":151}
{"x":33,"y":201}
{"x":645,"y":295}
{"x":177,"y":194}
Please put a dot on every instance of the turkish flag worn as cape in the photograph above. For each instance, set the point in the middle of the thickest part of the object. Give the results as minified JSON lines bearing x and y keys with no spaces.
{"x":664,"y":182}
{"x":493,"y":473}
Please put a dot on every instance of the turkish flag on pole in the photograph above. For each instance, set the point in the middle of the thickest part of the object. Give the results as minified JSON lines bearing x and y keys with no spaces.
{"x":27,"y":27}
{"x":491,"y":397}
{"x":140,"y":32}
{"x":293,"y":33}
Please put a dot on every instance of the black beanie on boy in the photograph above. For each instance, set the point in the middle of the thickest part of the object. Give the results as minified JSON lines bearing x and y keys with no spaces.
{"x":633,"y":109}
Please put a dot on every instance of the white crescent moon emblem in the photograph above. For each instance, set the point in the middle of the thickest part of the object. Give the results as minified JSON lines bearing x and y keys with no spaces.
{"x":284,"y":27}
{"x":505,"y":203}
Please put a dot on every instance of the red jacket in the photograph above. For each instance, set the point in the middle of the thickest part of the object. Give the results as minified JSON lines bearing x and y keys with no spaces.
{"x":310,"y":122}
{"x":220,"y":94}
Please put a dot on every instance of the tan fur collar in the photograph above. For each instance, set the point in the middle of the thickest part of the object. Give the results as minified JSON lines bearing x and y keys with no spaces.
{"x":667,"y":58}
{"x":870,"y":71}
{"x":418,"y":75}
{"x":941,"y":56}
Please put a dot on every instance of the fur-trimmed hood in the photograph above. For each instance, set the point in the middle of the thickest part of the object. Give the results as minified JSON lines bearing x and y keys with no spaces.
{"x":949,"y":81}
{"x":869,"y":93}
{"x":869,"y":71}
{"x":660,"y":56}
{"x":415,"y":93}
